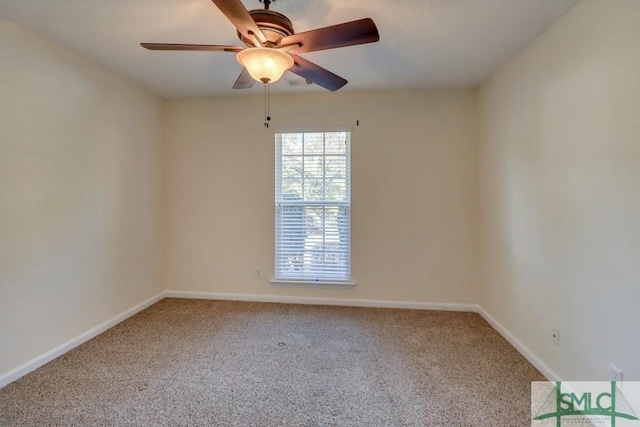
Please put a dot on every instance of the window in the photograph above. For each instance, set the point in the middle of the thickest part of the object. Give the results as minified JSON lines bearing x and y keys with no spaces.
{"x":313,"y":207}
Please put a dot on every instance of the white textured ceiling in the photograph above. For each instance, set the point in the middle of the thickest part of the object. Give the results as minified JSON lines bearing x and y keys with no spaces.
{"x":430,"y":44}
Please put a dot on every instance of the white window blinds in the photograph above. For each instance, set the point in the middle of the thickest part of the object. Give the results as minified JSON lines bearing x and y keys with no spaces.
{"x":313,"y":206}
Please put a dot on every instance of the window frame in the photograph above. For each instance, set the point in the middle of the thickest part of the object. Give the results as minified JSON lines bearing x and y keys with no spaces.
{"x":278,"y":205}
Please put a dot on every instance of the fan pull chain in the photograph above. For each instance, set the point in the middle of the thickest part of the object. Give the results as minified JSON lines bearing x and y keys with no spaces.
{"x":267,"y":117}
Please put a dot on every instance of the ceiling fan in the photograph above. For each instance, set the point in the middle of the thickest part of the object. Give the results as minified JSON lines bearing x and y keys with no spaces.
{"x":273,"y":46}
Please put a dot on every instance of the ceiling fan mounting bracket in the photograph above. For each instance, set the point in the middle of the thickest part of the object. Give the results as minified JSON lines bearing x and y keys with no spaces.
{"x":266,"y":3}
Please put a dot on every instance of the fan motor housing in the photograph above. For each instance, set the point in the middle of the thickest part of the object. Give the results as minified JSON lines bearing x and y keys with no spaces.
{"x":273,"y":24}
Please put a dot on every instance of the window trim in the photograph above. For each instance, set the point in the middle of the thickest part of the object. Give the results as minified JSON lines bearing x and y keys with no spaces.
{"x":320,"y":281}
{"x":347,"y":283}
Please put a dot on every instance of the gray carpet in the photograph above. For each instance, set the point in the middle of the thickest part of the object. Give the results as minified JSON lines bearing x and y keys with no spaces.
{"x":209,"y":363}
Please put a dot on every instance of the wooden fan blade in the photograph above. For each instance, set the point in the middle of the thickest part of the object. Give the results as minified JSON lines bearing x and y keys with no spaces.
{"x":316,"y":74}
{"x":191,"y":47}
{"x":341,"y":35}
{"x":235,"y":12}
{"x":245,"y":81}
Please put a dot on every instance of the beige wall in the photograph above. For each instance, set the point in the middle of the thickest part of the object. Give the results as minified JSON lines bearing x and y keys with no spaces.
{"x":560,"y":192}
{"x":413,"y":184}
{"x":80,"y":196}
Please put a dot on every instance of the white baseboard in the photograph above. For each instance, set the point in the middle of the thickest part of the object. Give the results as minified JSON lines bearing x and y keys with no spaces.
{"x":522,"y":349}
{"x":322,"y":301}
{"x":35,"y":363}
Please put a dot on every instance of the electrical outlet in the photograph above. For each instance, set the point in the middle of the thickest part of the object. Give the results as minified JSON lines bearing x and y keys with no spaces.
{"x":257,"y":273}
{"x":615,"y":374}
{"x":555,"y":336}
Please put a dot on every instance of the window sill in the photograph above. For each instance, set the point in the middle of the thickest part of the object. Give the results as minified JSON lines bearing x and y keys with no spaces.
{"x":311,"y":282}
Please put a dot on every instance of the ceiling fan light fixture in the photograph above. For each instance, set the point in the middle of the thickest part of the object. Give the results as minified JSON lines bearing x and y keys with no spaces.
{"x":265,"y":64}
